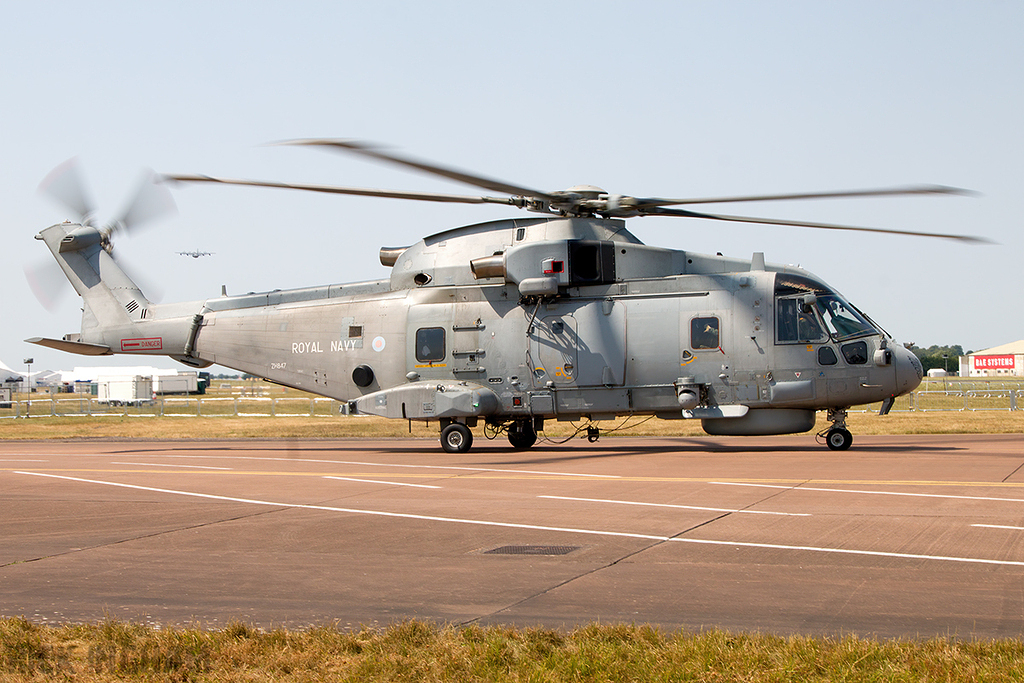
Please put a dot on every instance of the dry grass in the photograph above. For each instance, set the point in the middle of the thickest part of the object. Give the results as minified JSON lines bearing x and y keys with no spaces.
{"x":251,"y":396}
{"x":415,"y":651}
{"x":299,"y":427}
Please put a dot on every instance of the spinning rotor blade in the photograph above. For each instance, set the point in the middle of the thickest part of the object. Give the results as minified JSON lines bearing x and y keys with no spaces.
{"x":151,"y":201}
{"x":47,"y":282}
{"x":450,"y":173}
{"x":331,"y":189}
{"x":883,"y":192}
{"x":65,"y":184}
{"x":660,"y":211}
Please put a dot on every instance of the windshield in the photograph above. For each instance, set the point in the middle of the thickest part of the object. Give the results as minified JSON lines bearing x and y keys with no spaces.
{"x":842,"y":320}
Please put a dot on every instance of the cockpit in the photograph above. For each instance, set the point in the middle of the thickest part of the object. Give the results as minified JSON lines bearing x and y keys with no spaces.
{"x":807,"y":311}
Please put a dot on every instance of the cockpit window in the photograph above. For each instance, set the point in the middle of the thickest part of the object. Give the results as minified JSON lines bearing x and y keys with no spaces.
{"x":806,"y":311}
{"x":796,"y":321}
{"x":842,"y":320}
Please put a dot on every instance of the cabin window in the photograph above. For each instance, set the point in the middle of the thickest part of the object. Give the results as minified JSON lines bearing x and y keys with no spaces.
{"x":704,"y":333}
{"x":855,"y":353}
{"x":796,"y":321}
{"x":826,"y":356}
{"x":355,"y":331}
{"x":430,"y":344}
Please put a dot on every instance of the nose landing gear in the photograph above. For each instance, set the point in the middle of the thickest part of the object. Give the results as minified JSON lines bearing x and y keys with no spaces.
{"x":837,"y":437}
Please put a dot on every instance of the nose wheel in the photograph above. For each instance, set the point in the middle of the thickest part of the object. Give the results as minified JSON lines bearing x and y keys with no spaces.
{"x":837,"y":437}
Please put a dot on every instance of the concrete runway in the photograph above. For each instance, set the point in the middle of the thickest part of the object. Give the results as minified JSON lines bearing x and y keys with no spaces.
{"x":911,"y":536}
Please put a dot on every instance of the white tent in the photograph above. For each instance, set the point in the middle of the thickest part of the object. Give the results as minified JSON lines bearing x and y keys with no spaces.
{"x":6,"y":372}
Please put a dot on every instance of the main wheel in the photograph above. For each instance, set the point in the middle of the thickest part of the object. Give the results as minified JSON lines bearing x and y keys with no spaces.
{"x":456,"y":438}
{"x":839,"y":439}
{"x":522,"y":436}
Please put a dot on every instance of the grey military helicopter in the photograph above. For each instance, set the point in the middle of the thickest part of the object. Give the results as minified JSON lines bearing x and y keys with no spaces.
{"x":512,"y":323}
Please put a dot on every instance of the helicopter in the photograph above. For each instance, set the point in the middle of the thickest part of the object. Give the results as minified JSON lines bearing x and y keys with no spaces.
{"x":512,"y":323}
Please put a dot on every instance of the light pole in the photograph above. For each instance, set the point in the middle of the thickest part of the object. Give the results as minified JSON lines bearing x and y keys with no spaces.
{"x":28,"y":386}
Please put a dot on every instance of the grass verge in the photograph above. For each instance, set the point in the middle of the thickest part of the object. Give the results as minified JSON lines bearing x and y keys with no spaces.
{"x":416,"y":651}
{"x":298,"y":427}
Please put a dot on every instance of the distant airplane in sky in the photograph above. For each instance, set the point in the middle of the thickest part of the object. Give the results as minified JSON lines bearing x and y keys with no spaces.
{"x":196,"y":253}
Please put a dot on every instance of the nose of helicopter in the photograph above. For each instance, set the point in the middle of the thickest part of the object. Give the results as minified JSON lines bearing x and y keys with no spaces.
{"x":909,"y":371}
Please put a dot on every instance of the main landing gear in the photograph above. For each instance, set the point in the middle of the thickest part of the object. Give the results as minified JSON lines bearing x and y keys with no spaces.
{"x":522,"y":433}
{"x":456,"y":438}
{"x":837,"y":437}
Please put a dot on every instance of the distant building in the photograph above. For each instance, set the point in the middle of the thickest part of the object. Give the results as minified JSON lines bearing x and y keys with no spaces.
{"x":999,"y":361}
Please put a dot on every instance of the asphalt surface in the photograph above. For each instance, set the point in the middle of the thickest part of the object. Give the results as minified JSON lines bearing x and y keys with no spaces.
{"x":906,"y":537}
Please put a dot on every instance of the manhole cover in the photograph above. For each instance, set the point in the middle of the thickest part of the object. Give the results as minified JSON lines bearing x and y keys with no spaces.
{"x":532,"y":550}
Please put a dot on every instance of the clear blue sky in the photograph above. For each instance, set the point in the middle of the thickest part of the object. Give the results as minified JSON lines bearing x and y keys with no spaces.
{"x":641,"y":98}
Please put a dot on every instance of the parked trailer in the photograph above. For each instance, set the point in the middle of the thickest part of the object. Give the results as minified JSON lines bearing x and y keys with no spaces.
{"x":180,"y":383}
{"x":124,"y":390}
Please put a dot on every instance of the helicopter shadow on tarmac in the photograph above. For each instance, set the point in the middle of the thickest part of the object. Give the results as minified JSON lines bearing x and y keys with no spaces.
{"x":543,"y":454}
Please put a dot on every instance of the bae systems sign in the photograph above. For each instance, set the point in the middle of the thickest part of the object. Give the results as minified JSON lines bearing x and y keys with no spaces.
{"x":994,"y":362}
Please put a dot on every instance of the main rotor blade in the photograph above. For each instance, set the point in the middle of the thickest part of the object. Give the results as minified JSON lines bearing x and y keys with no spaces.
{"x":331,"y":189}
{"x":882,"y":192}
{"x":450,"y":173}
{"x":65,"y":184}
{"x":659,"y":211}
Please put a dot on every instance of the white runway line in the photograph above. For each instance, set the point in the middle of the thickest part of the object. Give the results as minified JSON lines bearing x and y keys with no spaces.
{"x":998,"y":526}
{"x":797,"y":487}
{"x":536,"y":527}
{"x":681,"y":507}
{"x":388,"y":464}
{"x":375,"y":481}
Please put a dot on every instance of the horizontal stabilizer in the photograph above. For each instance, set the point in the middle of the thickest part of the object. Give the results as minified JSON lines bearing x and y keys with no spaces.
{"x":80,"y":348}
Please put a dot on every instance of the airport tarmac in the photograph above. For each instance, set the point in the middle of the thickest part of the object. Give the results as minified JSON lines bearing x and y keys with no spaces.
{"x":901,"y":536}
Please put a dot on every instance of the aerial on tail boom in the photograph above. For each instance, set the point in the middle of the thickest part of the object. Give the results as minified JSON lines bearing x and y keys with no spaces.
{"x":559,"y":316}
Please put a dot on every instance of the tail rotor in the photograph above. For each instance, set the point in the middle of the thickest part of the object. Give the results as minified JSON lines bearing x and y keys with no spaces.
{"x":64,"y":184}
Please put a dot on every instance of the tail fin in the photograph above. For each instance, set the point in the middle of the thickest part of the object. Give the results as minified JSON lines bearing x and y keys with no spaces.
{"x":117,"y":317}
{"x":111,"y":299}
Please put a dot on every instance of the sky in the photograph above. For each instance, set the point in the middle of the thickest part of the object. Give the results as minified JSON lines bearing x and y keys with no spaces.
{"x":678,"y":99}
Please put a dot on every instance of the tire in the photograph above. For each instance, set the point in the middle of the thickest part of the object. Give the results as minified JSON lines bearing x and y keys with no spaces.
{"x":523,"y":436}
{"x":456,"y":438}
{"x":839,"y":439}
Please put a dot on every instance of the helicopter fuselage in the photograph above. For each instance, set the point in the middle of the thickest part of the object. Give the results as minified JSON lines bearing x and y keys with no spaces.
{"x":519,"y":321}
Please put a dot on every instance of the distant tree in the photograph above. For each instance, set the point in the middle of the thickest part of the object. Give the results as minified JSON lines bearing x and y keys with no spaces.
{"x":941,"y":357}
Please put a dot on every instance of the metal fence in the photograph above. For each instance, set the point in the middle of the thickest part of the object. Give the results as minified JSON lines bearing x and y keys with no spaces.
{"x":194,"y":406}
{"x":960,"y":398}
{"x":934,"y":400}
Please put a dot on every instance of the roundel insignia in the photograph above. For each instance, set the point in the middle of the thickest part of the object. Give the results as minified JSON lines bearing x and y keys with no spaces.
{"x":378,"y":344}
